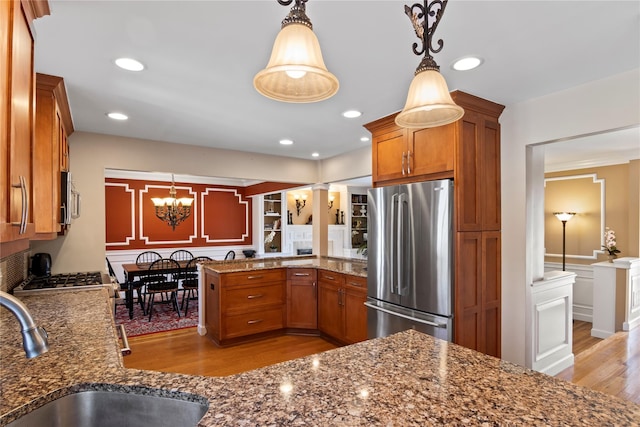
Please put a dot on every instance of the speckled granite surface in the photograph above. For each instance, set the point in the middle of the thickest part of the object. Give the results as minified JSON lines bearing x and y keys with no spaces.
{"x":406,"y":379}
{"x":339,"y":265}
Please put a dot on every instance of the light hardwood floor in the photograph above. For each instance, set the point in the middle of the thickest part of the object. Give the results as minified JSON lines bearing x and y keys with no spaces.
{"x":611,"y":366}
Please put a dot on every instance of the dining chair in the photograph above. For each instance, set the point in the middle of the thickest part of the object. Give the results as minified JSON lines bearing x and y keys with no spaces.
{"x":181,"y":255}
{"x":190,"y":285}
{"x":147,"y":257}
{"x":162,"y":279}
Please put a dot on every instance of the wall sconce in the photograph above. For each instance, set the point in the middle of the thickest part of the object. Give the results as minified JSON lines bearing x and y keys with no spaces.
{"x":429,"y":103}
{"x":300,"y":204}
{"x":171,"y":210}
{"x":564,"y":217}
{"x":331,"y":198}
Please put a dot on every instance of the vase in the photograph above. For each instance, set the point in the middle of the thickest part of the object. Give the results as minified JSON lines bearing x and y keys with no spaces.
{"x":612,"y":257}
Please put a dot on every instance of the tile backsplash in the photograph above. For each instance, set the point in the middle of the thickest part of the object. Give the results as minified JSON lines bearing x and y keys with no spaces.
{"x":13,"y":270}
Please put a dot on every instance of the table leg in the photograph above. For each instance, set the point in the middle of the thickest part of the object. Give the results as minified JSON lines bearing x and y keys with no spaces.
{"x":129,"y":299}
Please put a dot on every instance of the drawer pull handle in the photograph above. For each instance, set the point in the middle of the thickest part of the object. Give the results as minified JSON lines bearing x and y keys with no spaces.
{"x":301,"y":274}
{"x":355,"y":284}
{"x":330,"y":277}
{"x":253,"y":322}
{"x":255,"y":296}
{"x":212,"y":286}
{"x":254,"y":277}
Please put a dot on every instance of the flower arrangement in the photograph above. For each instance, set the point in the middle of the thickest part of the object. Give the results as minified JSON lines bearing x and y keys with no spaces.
{"x":610,"y":242}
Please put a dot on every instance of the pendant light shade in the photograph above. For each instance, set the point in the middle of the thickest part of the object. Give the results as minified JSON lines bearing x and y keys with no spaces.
{"x":296,"y":70}
{"x":429,"y":103}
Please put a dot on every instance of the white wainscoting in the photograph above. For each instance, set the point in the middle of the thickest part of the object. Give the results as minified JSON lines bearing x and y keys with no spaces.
{"x":552,"y":322}
{"x":582,"y":288}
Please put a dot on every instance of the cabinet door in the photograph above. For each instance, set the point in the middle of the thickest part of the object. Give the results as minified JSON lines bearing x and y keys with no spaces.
{"x":468,"y":288}
{"x":355,"y":312}
{"x":431,"y":150}
{"x":17,"y":190}
{"x":330,"y":309}
{"x":302,"y":298}
{"x":389,"y":154}
{"x":491,"y":293}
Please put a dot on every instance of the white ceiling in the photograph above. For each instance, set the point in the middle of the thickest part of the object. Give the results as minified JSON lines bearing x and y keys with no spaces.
{"x":201,"y":57}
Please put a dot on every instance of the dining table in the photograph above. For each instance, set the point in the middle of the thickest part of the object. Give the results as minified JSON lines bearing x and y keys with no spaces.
{"x":134,"y":271}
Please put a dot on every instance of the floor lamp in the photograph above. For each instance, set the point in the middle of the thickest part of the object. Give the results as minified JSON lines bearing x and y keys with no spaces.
{"x":564,"y":217}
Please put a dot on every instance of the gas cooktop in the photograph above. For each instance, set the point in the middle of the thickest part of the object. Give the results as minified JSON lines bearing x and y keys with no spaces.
{"x":66,"y":281}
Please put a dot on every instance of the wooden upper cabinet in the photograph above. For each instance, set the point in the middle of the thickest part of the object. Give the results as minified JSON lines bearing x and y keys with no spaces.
{"x":404,"y":155}
{"x":53,"y":126}
{"x":477,"y":168}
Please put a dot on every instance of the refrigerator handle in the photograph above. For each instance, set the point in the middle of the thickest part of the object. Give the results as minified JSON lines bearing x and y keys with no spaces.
{"x":399,"y":243}
{"x":415,"y":319}
{"x":394,"y":240}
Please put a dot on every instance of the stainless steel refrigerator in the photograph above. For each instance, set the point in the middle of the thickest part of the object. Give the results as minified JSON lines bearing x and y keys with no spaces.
{"x":410,"y":259}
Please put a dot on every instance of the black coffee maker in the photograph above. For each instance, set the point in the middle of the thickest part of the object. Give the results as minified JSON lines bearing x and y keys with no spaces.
{"x":41,"y":264}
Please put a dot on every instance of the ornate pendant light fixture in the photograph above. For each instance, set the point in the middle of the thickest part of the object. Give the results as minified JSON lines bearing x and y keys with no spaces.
{"x":296,"y":70}
{"x":429,"y":103}
{"x":171,"y":210}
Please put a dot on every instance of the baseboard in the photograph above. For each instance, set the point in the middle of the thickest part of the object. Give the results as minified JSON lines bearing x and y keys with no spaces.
{"x":599,"y":333}
{"x":559,"y":366}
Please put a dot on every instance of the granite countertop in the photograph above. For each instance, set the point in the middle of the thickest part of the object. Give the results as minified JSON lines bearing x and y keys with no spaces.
{"x":405,"y":379}
{"x":339,"y":265}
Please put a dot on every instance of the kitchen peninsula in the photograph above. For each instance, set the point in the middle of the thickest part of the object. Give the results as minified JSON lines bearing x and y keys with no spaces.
{"x":405,"y":379}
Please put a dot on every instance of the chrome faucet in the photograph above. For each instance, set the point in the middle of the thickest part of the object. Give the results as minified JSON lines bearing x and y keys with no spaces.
{"x":34,"y":338}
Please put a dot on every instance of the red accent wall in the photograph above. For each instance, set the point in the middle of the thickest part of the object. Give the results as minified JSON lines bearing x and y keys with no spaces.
{"x":220,"y":215}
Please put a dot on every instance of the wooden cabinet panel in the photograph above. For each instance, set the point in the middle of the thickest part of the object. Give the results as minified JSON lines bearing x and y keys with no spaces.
{"x":491,"y":182}
{"x":467,"y":297}
{"x":468,"y":199}
{"x":249,"y":277}
{"x":389,"y":154}
{"x":330,"y":308}
{"x":244,"y":324}
{"x":18,"y":129}
{"x":491,"y":292}
{"x":53,"y":125}
{"x":212,"y":320}
{"x":302,"y":298}
{"x":431,"y":150}
{"x":250,"y":297}
{"x":342,"y":314}
{"x":355,"y":313}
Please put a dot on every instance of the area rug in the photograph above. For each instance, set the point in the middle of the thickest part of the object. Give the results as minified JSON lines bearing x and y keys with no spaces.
{"x":164,"y":318}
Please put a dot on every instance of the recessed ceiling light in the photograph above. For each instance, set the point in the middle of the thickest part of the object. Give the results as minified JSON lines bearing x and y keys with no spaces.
{"x":351,"y":114}
{"x":364,"y":139}
{"x":117,"y":116}
{"x":467,"y":63}
{"x":129,"y":64}
{"x":286,"y":142}
{"x":315,"y":154}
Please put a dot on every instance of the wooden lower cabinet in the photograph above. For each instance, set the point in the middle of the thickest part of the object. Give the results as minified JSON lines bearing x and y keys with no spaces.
{"x":478,"y":289}
{"x":243,"y":304}
{"x":302,"y":298}
{"x":341,"y":311}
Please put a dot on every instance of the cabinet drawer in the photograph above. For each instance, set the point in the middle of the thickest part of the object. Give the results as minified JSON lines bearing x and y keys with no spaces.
{"x":248,"y":297}
{"x":255,"y":276}
{"x":253,"y":323}
{"x":301,"y":274}
{"x":356,"y":282}
{"x":331,"y":277}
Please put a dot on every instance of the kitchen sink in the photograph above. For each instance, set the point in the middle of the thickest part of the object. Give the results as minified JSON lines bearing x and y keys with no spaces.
{"x":111,"y":408}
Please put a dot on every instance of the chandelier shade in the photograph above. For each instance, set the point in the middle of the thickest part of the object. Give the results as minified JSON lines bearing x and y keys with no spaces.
{"x":296,"y":71}
{"x":172,"y":210}
{"x":429,"y":103}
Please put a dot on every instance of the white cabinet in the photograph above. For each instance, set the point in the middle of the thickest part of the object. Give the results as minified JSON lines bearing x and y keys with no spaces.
{"x":271,"y":234}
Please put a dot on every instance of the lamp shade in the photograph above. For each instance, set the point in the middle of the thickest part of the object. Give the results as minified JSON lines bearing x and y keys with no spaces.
{"x":296,"y":70}
{"x":429,"y":103}
{"x":564,"y":216}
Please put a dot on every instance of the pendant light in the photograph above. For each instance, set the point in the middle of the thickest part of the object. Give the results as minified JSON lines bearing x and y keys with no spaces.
{"x":429,"y":103}
{"x":296,"y":70}
{"x":171,"y":209}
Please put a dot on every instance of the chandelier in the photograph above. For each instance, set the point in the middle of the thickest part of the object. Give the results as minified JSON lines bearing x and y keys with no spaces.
{"x":429,"y":103}
{"x":172,"y":210}
{"x":296,"y":70}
